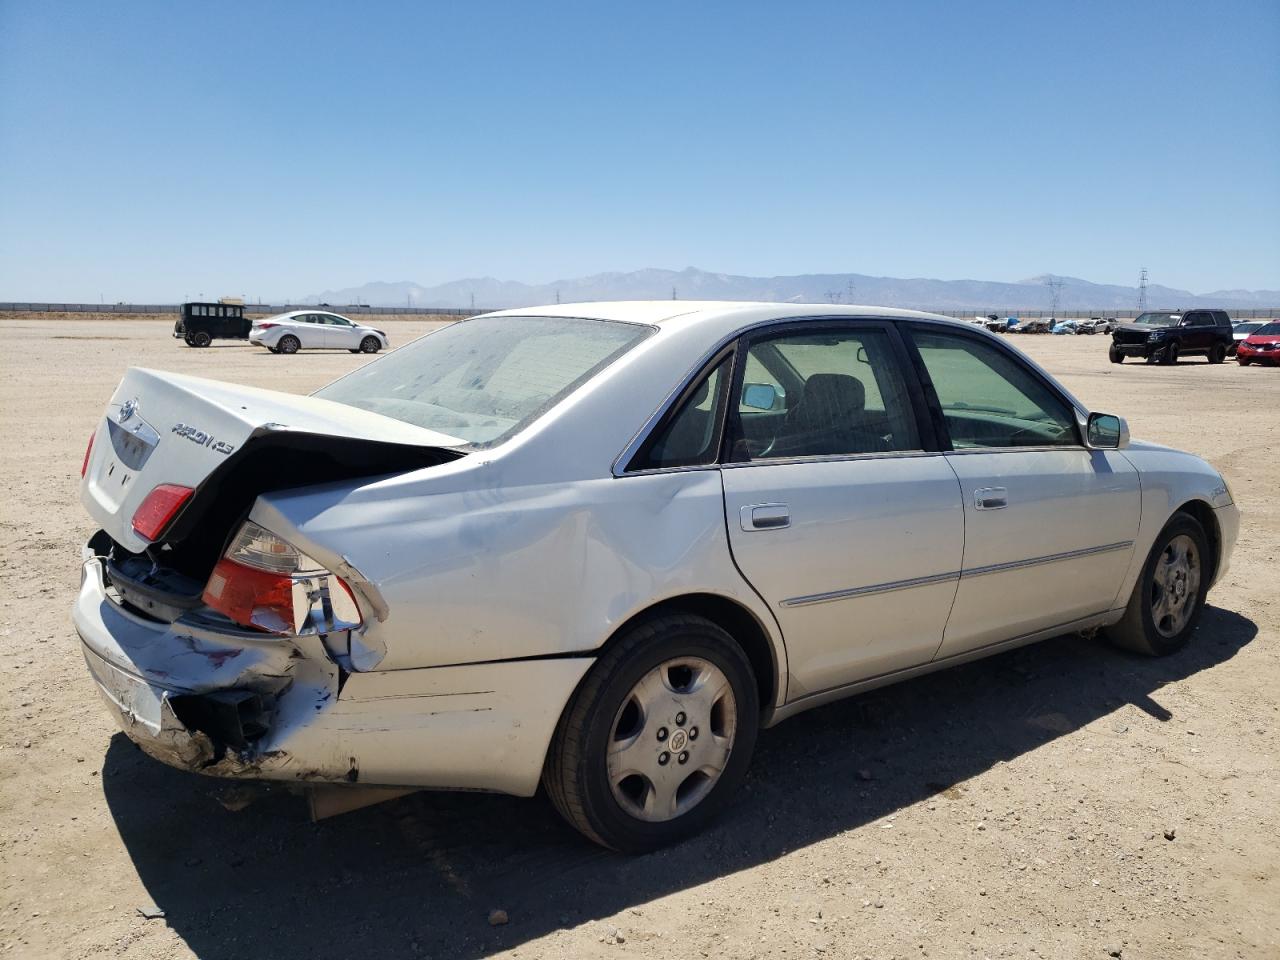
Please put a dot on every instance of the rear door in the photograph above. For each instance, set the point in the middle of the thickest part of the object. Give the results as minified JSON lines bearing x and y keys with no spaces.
{"x":311,"y":331}
{"x":841,"y":511}
{"x":1049,"y":524}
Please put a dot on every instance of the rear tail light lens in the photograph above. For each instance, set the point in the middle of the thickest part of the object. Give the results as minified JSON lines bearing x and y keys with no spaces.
{"x":266,"y":583}
{"x":266,"y":326}
{"x":88,"y":452}
{"x":158,"y":510}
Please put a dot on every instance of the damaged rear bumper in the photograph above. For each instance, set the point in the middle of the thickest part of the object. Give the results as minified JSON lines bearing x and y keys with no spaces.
{"x":235,"y":704}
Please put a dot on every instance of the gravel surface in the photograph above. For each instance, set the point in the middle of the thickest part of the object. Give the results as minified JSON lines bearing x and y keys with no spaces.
{"x":1064,"y":800}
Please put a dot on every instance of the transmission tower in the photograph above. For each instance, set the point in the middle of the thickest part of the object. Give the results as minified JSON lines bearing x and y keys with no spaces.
{"x":1142,"y":290}
{"x":1055,"y":289}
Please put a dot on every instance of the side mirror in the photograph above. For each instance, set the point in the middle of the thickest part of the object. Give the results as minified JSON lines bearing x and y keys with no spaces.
{"x":1105,"y":431}
{"x":759,"y":396}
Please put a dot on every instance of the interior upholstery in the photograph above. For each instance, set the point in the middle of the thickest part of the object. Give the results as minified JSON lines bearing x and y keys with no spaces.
{"x":829,"y":420}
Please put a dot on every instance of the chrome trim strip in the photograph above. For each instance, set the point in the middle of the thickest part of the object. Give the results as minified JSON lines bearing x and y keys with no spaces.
{"x":873,"y":588}
{"x":1051,"y":558}
{"x":955,"y":575}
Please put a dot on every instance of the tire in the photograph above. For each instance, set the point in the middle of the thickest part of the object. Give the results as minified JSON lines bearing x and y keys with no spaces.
{"x":200,"y":339}
{"x":1170,"y":355}
{"x":636,"y":694}
{"x":288,"y":344}
{"x":370,"y":344}
{"x":1156,"y":622}
{"x":356,"y":350}
{"x":1217,"y":353}
{"x":1115,"y":355}
{"x":188,"y":341}
{"x":1244,"y":361}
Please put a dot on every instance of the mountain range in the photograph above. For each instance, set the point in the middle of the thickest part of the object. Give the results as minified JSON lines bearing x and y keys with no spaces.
{"x":1036,"y":293}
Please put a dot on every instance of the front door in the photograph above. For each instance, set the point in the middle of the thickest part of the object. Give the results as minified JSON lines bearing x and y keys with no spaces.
{"x":1049,"y":524}
{"x":838,"y":513}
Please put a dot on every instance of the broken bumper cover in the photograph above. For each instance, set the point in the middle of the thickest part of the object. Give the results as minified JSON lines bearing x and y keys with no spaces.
{"x":236,"y":704}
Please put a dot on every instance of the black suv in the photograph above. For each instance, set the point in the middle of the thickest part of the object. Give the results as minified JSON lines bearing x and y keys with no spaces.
{"x":1163,"y":336}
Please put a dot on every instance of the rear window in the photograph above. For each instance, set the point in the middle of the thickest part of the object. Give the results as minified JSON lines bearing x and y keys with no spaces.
{"x":484,"y":380}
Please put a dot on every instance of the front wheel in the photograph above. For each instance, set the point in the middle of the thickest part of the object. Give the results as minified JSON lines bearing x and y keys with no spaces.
{"x":370,"y":344}
{"x":1244,"y":361}
{"x":1170,"y":354}
{"x":657,"y":737}
{"x":200,"y":339}
{"x":288,"y":344}
{"x":1116,"y":355}
{"x":1169,"y":596}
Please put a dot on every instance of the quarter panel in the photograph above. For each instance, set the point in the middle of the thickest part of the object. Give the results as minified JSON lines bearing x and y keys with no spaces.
{"x":475,"y":569}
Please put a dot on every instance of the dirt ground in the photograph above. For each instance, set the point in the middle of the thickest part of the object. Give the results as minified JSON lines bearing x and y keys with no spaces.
{"x":1017,"y":807}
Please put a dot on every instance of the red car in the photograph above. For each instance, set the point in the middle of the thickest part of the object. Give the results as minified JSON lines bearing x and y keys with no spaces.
{"x":1262,"y":345}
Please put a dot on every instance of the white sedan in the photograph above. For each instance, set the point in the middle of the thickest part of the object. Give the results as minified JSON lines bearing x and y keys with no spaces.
{"x":600,"y":546}
{"x":315,"y":330}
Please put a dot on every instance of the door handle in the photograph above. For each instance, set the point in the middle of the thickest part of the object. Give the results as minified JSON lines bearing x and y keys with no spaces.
{"x":990,"y":498}
{"x":765,"y":516}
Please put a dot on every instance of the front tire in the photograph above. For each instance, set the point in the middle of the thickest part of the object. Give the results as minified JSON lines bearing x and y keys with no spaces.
{"x":288,"y":344}
{"x":370,"y":344}
{"x":657,"y":737}
{"x":1170,"y":354}
{"x":1116,"y":355}
{"x":200,"y":339}
{"x":1244,"y":361}
{"x":1169,"y":596}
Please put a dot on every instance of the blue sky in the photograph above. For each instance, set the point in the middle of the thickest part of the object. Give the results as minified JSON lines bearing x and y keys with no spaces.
{"x":154,"y":150}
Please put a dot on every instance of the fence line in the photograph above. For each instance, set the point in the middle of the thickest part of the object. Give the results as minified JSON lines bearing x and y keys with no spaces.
{"x":1245,"y":313}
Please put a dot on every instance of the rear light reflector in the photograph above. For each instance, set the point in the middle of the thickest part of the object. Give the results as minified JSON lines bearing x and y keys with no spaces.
{"x":266,"y":326}
{"x":159,"y":508}
{"x":88,"y":452}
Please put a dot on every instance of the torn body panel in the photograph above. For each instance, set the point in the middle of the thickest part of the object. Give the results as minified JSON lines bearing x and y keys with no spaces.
{"x":237,"y":704}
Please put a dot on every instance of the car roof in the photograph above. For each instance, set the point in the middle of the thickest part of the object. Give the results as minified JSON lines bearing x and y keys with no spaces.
{"x":660,"y":312}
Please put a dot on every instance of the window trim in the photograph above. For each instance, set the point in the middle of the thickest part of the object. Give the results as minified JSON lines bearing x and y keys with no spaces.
{"x":930,"y":394}
{"x":932,"y":440}
{"x":675,"y":405}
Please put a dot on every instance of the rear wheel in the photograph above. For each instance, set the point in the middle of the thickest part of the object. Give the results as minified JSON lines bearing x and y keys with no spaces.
{"x":288,"y":344}
{"x":370,"y":344}
{"x":1169,"y":596}
{"x":1217,"y":353}
{"x":1116,"y":355}
{"x":657,"y":737}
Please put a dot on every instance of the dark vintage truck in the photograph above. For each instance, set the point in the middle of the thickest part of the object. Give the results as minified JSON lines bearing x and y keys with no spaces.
{"x":1162,"y":336}
{"x":199,"y":324}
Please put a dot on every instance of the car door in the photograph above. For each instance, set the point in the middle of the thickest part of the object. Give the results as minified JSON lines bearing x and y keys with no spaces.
{"x":310,"y":330}
{"x":841,"y":511}
{"x":1049,"y":524}
{"x":341,"y":332}
{"x":1199,"y":333}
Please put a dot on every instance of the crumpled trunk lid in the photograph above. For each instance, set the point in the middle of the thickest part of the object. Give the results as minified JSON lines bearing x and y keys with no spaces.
{"x":230,"y":444}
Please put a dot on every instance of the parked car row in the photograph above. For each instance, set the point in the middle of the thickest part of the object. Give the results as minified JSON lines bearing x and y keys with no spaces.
{"x":1163,"y":336}
{"x":1260,"y":346}
{"x":199,"y":324}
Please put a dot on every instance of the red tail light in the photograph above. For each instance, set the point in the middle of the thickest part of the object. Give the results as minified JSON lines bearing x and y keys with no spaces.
{"x":264,"y":582}
{"x":252,"y":598}
{"x":266,"y":326}
{"x":88,"y":451}
{"x":160,"y":507}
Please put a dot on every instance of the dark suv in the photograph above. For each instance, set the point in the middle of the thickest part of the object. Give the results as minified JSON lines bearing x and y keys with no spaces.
{"x":1163,"y":336}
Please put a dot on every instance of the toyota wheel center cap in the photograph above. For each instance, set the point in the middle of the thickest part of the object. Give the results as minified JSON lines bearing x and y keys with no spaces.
{"x":678,"y":740}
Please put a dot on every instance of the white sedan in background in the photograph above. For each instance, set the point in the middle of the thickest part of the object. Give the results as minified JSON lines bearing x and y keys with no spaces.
{"x":599,"y":546}
{"x":315,"y":330}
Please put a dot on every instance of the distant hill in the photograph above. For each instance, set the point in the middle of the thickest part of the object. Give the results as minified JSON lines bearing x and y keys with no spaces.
{"x":694,"y":284}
